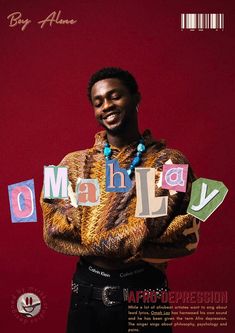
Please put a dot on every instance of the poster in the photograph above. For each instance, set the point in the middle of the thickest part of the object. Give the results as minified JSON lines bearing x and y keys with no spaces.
{"x":186,"y":79}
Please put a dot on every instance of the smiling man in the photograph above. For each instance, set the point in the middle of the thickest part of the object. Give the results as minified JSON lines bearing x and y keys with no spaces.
{"x":119,"y":252}
{"x":116,"y":110}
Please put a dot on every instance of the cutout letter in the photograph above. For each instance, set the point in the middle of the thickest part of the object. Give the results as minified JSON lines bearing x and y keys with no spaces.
{"x":22,"y":202}
{"x":175,"y":177}
{"x":55,"y":182}
{"x":117,"y":179}
{"x":88,"y":193}
{"x":206,"y":196}
{"x":147,"y":204}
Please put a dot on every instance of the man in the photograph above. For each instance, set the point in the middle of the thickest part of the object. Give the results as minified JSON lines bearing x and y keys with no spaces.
{"x":118,"y":251}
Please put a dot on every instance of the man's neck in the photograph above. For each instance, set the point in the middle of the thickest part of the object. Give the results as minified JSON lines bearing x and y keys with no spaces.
{"x":124,"y":139}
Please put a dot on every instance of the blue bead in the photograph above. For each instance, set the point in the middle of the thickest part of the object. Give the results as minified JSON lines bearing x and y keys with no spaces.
{"x":129,"y":171}
{"x":139,"y":153}
{"x":107,"y":151}
{"x":141,"y":147}
{"x":136,"y":161}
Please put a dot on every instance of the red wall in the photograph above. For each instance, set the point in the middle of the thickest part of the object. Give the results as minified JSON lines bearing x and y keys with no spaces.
{"x":186,"y":79}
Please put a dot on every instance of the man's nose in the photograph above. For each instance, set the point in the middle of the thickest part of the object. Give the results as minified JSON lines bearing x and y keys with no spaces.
{"x":108,"y":104}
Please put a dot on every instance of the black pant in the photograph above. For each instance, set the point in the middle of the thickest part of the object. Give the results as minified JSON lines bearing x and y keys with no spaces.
{"x":90,"y":315}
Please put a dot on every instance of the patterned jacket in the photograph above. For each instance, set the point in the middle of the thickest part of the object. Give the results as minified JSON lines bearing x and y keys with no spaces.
{"x":111,"y":229}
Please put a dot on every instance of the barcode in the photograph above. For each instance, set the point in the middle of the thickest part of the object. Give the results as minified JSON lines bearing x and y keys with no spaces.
{"x":202,"y":21}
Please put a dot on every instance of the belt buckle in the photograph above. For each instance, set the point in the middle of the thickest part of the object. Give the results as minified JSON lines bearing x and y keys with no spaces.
{"x":105,"y":293}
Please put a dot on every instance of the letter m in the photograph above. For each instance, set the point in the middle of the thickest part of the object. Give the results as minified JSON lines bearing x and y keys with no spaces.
{"x":55,"y":182}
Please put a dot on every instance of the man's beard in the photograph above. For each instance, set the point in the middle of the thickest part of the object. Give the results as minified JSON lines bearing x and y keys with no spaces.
{"x":120,"y":129}
{"x":125,"y":125}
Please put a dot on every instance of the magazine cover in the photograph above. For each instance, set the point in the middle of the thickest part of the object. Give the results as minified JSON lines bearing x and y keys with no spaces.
{"x":116,"y":166}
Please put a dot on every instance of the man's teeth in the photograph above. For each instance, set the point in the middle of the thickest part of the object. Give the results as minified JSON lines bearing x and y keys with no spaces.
{"x":111,"y":117}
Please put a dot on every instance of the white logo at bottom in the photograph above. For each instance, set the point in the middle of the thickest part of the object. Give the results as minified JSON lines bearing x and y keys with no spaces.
{"x":29,"y":305}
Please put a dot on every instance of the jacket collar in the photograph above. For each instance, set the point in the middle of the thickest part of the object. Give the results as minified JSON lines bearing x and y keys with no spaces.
{"x":101,"y":139}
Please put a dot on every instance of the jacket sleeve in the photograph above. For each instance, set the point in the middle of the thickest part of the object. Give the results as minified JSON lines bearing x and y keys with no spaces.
{"x":180,"y":237}
{"x":61,"y":220}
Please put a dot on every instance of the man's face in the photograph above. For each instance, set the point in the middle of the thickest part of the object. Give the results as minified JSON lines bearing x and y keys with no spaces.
{"x":114,"y":106}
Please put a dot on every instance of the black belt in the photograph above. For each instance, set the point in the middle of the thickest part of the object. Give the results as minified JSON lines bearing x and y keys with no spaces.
{"x":110,"y":295}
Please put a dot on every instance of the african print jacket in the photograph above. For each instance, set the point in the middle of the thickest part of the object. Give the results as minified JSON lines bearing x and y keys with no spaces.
{"x":111,"y":229}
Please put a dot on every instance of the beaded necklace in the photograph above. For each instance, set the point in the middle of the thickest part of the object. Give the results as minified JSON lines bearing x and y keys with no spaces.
{"x":136,"y":160}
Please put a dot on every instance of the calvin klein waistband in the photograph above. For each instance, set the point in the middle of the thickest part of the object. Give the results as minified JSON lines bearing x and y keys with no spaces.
{"x":113,"y":273}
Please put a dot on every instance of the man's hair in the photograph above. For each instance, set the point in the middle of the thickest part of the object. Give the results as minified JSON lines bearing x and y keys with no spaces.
{"x":113,"y":73}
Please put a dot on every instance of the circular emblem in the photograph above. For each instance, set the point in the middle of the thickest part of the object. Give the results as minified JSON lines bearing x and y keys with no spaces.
{"x":28,"y":305}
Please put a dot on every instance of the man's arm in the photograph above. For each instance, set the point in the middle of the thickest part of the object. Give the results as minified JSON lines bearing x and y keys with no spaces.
{"x":61,"y":221}
{"x":181,"y":236}
{"x":61,"y":230}
{"x":179,"y":239}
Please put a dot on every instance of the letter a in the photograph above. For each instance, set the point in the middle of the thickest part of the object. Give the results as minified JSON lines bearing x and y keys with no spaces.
{"x":88,"y":192}
{"x":174,"y":177}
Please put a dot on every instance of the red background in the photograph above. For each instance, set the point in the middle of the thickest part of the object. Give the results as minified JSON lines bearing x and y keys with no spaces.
{"x":186,"y":80}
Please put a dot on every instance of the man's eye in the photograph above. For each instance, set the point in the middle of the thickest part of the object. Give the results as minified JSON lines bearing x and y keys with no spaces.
{"x":97,"y":104}
{"x":116,"y":96}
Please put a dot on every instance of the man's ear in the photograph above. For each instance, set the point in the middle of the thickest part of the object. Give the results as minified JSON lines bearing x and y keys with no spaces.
{"x":137,"y":98}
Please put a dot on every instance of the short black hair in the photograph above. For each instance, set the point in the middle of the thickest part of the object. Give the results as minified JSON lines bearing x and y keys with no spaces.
{"x":113,"y":73}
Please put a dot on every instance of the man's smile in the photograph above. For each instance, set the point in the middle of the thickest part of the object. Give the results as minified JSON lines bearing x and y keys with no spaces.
{"x":111,"y":117}
{"x":109,"y":114}
{"x":114,"y":105}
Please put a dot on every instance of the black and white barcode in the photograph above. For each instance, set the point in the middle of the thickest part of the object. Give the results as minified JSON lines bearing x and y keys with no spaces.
{"x":202,"y":21}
